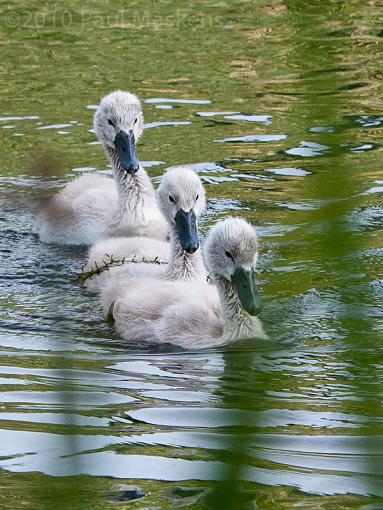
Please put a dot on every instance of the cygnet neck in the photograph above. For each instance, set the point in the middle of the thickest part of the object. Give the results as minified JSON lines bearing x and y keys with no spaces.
{"x":237,"y":323}
{"x":133,"y":189}
{"x":183,"y":265}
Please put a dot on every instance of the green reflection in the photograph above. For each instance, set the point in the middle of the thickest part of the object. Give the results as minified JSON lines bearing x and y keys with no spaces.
{"x":308,"y":65}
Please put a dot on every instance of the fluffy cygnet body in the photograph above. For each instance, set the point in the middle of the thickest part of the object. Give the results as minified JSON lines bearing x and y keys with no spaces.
{"x":92,"y":206}
{"x":181,"y":199}
{"x":193,"y":314}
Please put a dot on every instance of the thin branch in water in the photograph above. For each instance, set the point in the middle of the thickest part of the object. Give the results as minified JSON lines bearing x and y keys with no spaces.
{"x":109,"y":262}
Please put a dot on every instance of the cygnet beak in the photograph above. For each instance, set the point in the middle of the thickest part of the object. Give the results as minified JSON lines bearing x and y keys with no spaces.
{"x":186,"y":223}
{"x":246,"y":288}
{"x":126,"y":151}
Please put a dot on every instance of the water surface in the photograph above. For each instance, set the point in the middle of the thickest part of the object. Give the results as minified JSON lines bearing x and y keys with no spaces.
{"x":278,"y":107}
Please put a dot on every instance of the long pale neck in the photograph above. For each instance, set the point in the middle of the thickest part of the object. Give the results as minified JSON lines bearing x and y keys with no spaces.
{"x":183,"y":265}
{"x":133,"y":189}
{"x":237,"y":323}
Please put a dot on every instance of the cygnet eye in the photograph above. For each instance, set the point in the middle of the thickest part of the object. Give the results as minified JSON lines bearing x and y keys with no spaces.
{"x":136,"y":120}
{"x":110,"y":123}
{"x":196,"y":198}
{"x":228,"y":254}
{"x":171,"y":199}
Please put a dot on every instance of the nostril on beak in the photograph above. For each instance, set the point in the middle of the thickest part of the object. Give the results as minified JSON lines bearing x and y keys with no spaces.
{"x":192,"y":248}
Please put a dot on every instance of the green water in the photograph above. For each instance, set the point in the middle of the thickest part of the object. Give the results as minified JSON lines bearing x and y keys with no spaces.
{"x":278,"y":106}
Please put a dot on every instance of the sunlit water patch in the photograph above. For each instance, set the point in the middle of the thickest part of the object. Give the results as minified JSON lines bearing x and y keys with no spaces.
{"x":253,"y":138}
{"x":308,"y":150}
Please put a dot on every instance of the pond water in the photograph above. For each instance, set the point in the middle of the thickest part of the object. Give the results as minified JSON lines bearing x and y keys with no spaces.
{"x":278,"y":107}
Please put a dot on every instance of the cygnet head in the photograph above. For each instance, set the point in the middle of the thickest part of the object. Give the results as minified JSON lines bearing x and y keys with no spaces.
{"x":231,"y":252}
{"x":181,"y":198}
{"x":118,"y":123}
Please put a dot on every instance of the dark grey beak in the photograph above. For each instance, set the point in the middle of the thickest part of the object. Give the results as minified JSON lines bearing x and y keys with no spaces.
{"x":186,"y":223}
{"x":126,"y":150}
{"x":244,"y":283}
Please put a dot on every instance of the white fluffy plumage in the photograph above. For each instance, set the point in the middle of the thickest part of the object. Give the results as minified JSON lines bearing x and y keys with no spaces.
{"x":192,"y":314}
{"x":133,"y":256}
{"x":186,"y":191}
{"x":94,"y":206}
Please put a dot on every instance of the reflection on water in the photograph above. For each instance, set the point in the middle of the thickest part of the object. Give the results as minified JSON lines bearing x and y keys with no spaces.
{"x":254,"y":138}
{"x":302,"y":425}
{"x":308,"y":150}
{"x":279,"y":112}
